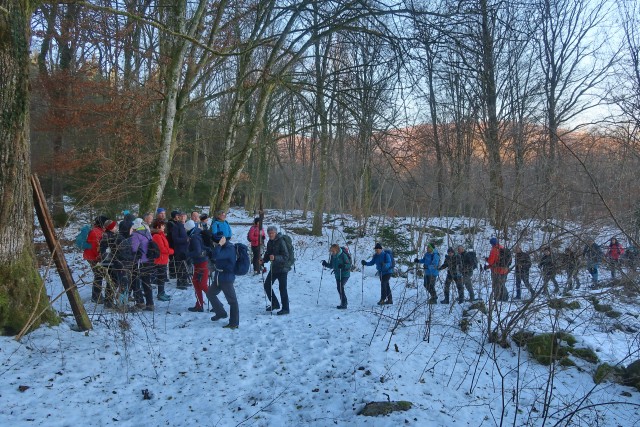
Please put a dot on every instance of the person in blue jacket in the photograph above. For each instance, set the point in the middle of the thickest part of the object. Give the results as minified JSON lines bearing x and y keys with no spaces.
{"x":224,"y":257}
{"x":341,"y":265}
{"x":431,"y":261}
{"x":221,"y":225}
{"x":382,"y":261}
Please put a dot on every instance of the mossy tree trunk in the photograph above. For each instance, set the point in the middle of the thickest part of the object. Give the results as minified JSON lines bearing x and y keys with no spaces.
{"x":21,"y":288}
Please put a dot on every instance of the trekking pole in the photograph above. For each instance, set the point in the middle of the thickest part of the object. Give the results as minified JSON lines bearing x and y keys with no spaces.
{"x":320,"y":286}
{"x":362,"y":287}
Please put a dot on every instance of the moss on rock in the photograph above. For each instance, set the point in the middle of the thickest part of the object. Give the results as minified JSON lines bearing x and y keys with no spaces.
{"x":375,"y":409}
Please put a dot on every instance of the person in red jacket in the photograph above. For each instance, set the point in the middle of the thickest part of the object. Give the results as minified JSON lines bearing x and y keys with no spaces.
{"x":256,"y":236}
{"x":614,"y":252}
{"x":92,"y":255}
{"x":498,"y":273}
{"x":160,"y":264}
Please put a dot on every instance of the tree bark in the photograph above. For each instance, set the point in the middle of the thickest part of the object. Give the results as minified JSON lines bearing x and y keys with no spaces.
{"x":21,"y":289}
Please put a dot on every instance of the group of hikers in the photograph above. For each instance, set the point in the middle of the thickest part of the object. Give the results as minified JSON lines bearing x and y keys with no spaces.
{"x":132,"y":255}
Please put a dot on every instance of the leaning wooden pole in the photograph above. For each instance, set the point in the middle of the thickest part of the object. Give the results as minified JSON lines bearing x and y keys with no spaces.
{"x":42,"y":210}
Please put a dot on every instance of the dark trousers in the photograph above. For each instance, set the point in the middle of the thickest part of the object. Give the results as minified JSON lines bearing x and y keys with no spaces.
{"x":385,"y":288}
{"x":523,"y":277}
{"x":466,"y":281}
{"x":229,"y":292}
{"x":340,"y":282}
{"x":447,"y":287}
{"x":182,"y":272}
{"x":255,"y":250}
{"x":282,"y":283}
{"x":430,"y":285}
{"x":96,"y":286}
{"x":499,"y":286}
{"x":142,"y":276}
{"x":160,"y":276}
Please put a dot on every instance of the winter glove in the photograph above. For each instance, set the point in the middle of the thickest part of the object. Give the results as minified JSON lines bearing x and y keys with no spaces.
{"x":324,"y":263}
{"x":363,"y":262}
{"x":416,"y":260}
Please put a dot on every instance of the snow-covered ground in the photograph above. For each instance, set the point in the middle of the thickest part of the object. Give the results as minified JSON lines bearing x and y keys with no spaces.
{"x":317,"y":366}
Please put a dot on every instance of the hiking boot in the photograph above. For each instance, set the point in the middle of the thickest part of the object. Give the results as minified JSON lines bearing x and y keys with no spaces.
{"x":460,"y":300}
{"x":196,"y":309}
{"x":283,"y":311}
{"x":219,"y":316}
{"x":230,"y":326}
{"x":381,"y":302}
{"x":445,"y":301}
{"x":164,"y":297}
{"x":389,"y":301}
{"x":149,"y":307}
{"x":341,"y":307}
{"x":432,"y":301}
{"x":140,"y":305}
{"x":275,"y":307}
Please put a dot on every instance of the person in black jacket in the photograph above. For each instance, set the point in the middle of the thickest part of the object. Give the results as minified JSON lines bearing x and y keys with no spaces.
{"x":571,"y":265}
{"x":224,"y":256}
{"x":453,"y":264}
{"x":469,"y":263}
{"x":548,"y":268}
{"x":278,"y":254}
{"x":197,"y":254}
{"x":522,"y":268}
{"x":180,"y":242}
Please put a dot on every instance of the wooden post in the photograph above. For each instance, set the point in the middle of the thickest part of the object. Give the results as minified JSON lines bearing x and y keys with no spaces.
{"x":42,"y":210}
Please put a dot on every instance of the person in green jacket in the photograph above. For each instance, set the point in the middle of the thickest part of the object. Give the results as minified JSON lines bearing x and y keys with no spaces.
{"x":340,"y":262}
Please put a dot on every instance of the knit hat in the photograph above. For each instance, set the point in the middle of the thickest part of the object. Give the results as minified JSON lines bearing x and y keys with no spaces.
{"x":138,"y":224}
{"x":271,"y":228}
{"x":430,"y":246}
{"x":203,"y":217}
{"x":101,"y":220}
{"x":160,"y":210}
{"x":377,"y":246}
{"x":174,"y":213}
{"x":219,"y":235}
{"x":493,"y":241}
{"x":189,"y":225}
{"x":256,"y":220}
{"x":110,"y":225}
{"x":450,"y":250}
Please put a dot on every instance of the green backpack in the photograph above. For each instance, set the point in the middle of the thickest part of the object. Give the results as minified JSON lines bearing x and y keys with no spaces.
{"x":289,"y":243}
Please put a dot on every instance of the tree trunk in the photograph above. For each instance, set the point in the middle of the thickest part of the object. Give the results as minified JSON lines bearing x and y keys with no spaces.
{"x":21,"y":289}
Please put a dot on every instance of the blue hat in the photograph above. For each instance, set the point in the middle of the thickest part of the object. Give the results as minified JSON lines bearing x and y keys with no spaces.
{"x":493,"y":241}
{"x":160,"y":210}
{"x":125,"y":212}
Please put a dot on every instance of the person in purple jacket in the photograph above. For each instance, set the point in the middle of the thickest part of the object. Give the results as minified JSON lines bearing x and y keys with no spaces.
{"x":143,"y":268}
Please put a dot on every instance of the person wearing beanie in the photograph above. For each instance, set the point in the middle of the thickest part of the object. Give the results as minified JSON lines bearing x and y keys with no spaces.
{"x":124,"y":228}
{"x":92,"y":255}
{"x":143,"y":268}
{"x":278,"y":255}
{"x":168,"y":231}
{"x":431,"y":261}
{"x":383,"y":262}
{"x":161,"y":214}
{"x":160,"y":264}
{"x":221,"y":225}
{"x":205,"y":223}
{"x":453,"y":264}
{"x":198,"y":256}
{"x":498,"y":272}
{"x":224,"y":257}
{"x":180,"y":242}
{"x":256,"y":238}
{"x":340,"y":263}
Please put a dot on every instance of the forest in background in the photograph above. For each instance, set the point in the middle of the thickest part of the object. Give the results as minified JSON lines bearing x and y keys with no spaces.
{"x":457,"y":108}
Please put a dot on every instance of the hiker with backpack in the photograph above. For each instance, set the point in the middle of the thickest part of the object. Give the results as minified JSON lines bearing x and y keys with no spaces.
{"x":340,"y":263}
{"x":614,"y":252}
{"x":431,"y":261}
{"x":593,"y":256}
{"x":124,"y":228}
{"x":570,"y":261}
{"x":92,"y":254}
{"x":160,"y":277}
{"x":143,"y":267}
{"x":224,"y":257}
{"x":498,"y":262}
{"x":221,"y":225}
{"x":384,"y":265}
{"x":108,"y":249}
{"x":469,"y":263}
{"x":548,"y":269}
{"x":453,"y":264}
{"x":197,"y":254}
{"x":256,"y":237}
{"x":522,"y":268}
{"x":281,"y":260}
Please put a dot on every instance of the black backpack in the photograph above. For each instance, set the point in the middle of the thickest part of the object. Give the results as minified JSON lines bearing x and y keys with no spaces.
{"x":289,"y":243}
{"x":504,"y":258}
{"x":471,"y":259}
{"x":153,"y":250}
{"x":124,"y":252}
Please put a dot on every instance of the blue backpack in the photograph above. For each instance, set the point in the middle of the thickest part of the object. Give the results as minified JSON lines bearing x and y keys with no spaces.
{"x":81,"y":238}
{"x":243,"y":262}
{"x":393,"y":261}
